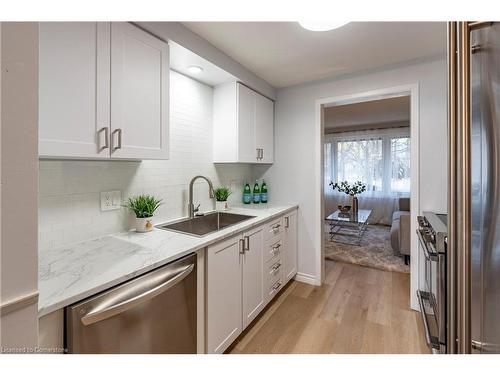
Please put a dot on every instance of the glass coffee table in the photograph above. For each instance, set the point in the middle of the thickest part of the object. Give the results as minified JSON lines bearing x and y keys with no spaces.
{"x":348,"y":225}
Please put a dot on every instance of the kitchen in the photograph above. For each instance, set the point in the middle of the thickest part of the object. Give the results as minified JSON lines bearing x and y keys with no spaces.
{"x":265,"y":235}
{"x":176,"y":196}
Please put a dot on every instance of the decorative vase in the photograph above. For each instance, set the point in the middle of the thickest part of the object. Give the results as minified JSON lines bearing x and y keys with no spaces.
{"x":143,"y":224}
{"x":354,"y":205}
{"x":221,"y":206}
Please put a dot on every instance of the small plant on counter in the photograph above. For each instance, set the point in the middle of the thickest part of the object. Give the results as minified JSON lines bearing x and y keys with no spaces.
{"x":144,"y":207}
{"x":221,"y":195}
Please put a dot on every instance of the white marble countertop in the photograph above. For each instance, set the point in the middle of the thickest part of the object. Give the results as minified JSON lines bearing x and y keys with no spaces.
{"x":72,"y":273}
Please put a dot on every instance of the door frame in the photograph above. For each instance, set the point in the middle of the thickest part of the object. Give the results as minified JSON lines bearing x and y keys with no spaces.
{"x":411,"y":90}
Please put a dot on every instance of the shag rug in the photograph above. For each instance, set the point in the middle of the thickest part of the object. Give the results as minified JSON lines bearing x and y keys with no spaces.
{"x":375,"y":250}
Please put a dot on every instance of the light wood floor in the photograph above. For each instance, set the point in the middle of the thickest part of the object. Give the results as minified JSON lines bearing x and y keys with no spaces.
{"x":357,"y":310}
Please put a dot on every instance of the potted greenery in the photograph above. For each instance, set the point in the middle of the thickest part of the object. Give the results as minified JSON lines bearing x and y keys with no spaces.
{"x":221,"y":195}
{"x":352,"y":190}
{"x":144,"y":207}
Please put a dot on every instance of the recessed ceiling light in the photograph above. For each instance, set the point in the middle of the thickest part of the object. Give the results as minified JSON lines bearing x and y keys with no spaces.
{"x":195,"y":69}
{"x":322,"y":26}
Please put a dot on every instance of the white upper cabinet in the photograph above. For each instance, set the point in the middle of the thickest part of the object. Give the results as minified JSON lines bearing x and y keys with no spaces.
{"x":139,"y":94}
{"x":74,"y":88}
{"x":103,"y":92}
{"x":243,"y":125}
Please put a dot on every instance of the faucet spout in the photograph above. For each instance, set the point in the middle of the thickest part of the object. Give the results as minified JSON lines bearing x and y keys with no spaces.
{"x":211,"y":194}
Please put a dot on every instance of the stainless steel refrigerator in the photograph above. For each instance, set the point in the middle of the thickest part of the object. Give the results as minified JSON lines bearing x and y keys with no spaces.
{"x":485,"y":189}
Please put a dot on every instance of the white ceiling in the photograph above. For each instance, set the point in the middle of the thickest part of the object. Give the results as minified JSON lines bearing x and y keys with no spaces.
{"x":181,"y":58}
{"x":388,"y":112}
{"x":285,"y":54}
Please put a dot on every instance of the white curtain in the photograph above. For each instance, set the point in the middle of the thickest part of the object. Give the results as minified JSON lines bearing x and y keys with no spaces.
{"x":378,"y":158}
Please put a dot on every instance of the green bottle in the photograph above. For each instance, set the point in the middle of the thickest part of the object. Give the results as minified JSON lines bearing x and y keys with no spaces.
{"x":263,"y":192}
{"x":247,"y":194}
{"x":256,"y":193}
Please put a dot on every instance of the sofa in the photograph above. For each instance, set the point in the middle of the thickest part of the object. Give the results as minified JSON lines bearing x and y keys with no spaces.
{"x":400,"y":229}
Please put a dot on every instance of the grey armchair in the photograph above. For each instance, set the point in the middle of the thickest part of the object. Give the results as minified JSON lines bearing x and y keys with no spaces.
{"x":400,"y":229}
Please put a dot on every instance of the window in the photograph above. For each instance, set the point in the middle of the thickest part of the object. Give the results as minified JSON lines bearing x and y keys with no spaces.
{"x":400,"y":164}
{"x":378,"y":158}
{"x":360,"y":160}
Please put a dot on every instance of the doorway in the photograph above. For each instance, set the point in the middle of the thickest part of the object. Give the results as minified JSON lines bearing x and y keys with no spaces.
{"x":381,"y":138}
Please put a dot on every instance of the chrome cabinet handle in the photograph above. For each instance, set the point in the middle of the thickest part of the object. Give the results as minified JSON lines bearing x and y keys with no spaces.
{"x":242,"y":246}
{"x":258,"y":153}
{"x":119,"y":146}
{"x":276,"y":227}
{"x":261,"y":153}
{"x":287,"y":222}
{"x":106,"y":138}
{"x":126,"y":301}
{"x":276,"y":267}
{"x":276,"y":248}
{"x":247,"y":243}
{"x":277,"y":286}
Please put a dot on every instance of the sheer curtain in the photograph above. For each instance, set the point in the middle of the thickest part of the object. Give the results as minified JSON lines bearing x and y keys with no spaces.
{"x":378,"y":158}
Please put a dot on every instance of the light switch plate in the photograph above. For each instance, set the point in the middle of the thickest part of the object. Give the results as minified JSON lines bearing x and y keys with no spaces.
{"x":111,"y":200}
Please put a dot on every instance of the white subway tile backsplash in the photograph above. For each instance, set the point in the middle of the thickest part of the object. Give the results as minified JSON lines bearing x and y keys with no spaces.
{"x":69,"y":191}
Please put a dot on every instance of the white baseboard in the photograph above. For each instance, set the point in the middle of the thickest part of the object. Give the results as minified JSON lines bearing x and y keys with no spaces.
{"x":306,"y":278}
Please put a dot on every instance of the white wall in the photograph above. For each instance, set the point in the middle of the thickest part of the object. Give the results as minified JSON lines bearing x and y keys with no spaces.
{"x":18,"y":156}
{"x":293,"y":174}
{"x":69,"y":208}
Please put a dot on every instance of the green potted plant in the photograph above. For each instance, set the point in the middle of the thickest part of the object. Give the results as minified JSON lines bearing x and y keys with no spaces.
{"x":352,"y":190}
{"x":221,"y":195}
{"x":144,"y":207}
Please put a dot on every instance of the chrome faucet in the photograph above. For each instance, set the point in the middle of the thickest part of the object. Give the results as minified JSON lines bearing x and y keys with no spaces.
{"x":191,"y":209}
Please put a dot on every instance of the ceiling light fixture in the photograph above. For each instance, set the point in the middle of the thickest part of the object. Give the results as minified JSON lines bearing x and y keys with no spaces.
{"x":322,"y":25}
{"x":195,"y":69}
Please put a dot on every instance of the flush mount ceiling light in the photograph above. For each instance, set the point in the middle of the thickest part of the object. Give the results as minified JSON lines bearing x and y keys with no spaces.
{"x":195,"y":69}
{"x":322,"y":25}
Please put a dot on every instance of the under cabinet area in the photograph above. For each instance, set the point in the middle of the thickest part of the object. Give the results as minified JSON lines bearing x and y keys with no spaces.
{"x":243,"y":274}
{"x":104,"y":92}
{"x":243,"y":122}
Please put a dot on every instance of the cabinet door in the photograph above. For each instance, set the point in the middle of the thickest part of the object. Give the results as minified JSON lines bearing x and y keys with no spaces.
{"x":74,"y":83}
{"x":253,"y":275}
{"x":290,"y":245}
{"x":264,"y":125}
{"x":247,"y":149}
{"x":224,"y":267}
{"x":139,"y":94}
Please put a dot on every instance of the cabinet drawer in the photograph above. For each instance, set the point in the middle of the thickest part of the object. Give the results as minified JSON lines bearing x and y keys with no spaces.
{"x":274,"y":271}
{"x":274,"y":247}
{"x":273,"y":229}
{"x":274,"y":288}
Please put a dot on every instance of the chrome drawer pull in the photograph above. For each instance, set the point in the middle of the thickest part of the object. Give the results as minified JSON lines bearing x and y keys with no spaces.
{"x":276,"y":227}
{"x":276,"y":267}
{"x":277,"y":286}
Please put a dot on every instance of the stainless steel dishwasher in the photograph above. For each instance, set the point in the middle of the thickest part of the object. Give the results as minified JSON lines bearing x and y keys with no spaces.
{"x":153,"y":313}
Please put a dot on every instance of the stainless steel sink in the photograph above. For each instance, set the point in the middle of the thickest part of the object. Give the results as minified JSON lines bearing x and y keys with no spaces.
{"x":203,"y":225}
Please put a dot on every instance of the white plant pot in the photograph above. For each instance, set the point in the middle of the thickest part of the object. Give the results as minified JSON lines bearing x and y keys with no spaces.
{"x":221,"y":206}
{"x":143,"y":224}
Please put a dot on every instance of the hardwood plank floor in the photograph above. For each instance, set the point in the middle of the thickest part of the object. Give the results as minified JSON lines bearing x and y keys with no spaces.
{"x":356,"y":310}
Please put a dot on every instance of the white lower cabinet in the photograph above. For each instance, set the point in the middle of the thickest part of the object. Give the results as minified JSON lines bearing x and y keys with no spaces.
{"x":253,"y":278}
{"x":243,"y":274}
{"x":290,"y":245}
{"x":224,"y":293}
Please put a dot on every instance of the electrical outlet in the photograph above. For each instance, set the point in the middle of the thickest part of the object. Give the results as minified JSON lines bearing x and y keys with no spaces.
{"x":111,"y":200}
